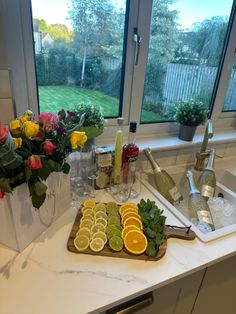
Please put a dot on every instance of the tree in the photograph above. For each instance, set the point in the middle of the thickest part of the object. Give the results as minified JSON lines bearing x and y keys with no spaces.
{"x":60,"y":32}
{"x":92,"y":21}
{"x":43,"y":25}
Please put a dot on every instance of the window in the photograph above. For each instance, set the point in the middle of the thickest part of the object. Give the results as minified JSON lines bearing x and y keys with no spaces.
{"x":78,"y":53}
{"x":144,"y":56}
{"x":230,"y":97}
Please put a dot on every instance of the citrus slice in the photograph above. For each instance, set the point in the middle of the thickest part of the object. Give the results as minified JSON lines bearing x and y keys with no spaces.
{"x":96,"y":245}
{"x":127,"y":229}
{"x":113,"y":232}
{"x":84,"y":231}
{"x":85,"y":208}
{"x":100,"y":207}
{"x":88,"y":211}
{"x":101,"y":235}
{"x":100,"y":214}
{"x":113,"y":213}
{"x":98,"y":227}
{"x":89,"y":203}
{"x":112,"y":226}
{"x":135,"y":242}
{"x":86,"y":223}
{"x":81,"y":242}
{"x":128,"y":215}
{"x":129,"y":210}
{"x":101,"y":221}
{"x":111,"y":206}
{"x":133,"y":221}
{"x":116,"y":243}
{"x":115,"y":220}
{"x":127,"y":205}
{"x":90,"y":217}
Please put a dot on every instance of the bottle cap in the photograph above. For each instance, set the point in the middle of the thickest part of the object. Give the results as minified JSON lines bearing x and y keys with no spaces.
{"x":120,"y":121}
{"x":132,"y":127}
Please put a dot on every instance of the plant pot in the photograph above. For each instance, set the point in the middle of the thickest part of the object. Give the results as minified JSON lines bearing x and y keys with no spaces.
{"x":21,"y":223}
{"x":186,"y":132}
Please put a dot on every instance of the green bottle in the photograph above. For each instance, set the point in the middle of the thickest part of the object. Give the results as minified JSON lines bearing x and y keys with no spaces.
{"x":198,"y":208}
{"x":207,"y":180}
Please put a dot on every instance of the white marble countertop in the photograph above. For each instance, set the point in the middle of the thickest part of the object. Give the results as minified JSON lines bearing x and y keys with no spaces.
{"x":47,"y":278}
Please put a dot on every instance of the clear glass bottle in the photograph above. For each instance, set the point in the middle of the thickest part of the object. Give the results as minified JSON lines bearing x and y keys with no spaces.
{"x":207,"y":180}
{"x":118,"y":151}
{"x":164,"y":183}
{"x":197,"y":205}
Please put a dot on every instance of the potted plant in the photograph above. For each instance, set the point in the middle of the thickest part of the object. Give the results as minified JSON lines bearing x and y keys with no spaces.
{"x":190,"y":114}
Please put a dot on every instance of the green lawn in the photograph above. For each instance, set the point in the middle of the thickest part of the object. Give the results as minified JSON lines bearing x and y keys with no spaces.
{"x":54,"y":98}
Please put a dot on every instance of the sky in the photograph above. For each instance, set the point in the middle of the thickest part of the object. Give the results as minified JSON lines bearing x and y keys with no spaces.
{"x":190,"y":11}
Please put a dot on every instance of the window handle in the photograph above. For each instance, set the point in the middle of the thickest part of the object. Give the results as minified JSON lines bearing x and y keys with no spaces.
{"x":137,"y":39}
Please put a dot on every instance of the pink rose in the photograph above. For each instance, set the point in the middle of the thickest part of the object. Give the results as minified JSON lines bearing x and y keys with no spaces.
{"x":3,"y":134}
{"x":34,"y":163}
{"x":2,"y":193}
{"x":48,"y":121}
{"x":49,"y":147}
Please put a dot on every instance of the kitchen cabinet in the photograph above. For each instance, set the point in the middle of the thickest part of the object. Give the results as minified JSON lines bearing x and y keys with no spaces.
{"x":177,"y":297}
{"x":218,"y":291}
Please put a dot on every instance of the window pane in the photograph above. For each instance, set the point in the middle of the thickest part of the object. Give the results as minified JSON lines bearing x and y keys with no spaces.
{"x":230,"y":98}
{"x":78,"y":53}
{"x":186,"y":42}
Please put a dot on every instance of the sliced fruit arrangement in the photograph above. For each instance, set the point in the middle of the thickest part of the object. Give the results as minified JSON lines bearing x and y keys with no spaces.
{"x":114,"y":228}
{"x":91,"y":233}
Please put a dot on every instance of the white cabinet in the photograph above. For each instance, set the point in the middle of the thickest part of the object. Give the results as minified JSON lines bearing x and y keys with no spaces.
{"x":218,"y":291}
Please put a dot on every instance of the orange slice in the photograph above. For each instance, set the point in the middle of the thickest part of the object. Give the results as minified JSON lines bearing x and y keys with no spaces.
{"x":127,"y":205}
{"x":129,"y":210}
{"x":135,"y":242}
{"x":133,"y":221}
{"x":128,"y":215}
{"x":127,"y":229}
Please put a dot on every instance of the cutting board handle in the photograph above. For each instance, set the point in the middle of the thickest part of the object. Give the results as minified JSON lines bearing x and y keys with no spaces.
{"x":184,"y":233}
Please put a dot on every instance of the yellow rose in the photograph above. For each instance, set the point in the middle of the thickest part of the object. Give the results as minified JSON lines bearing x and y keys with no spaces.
{"x":15,"y":127}
{"x":78,"y":139}
{"x":17,"y":142}
{"x":30,"y":129}
{"x":25,"y":117}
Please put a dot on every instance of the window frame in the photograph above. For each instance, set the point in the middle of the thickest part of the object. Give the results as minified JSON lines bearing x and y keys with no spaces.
{"x":17,"y":23}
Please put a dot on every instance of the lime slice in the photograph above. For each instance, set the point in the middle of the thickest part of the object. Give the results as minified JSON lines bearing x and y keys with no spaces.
{"x":98,"y":227}
{"x":112,"y":226}
{"x":116,"y":243}
{"x":113,"y":213}
{"x":113,"y":232}
{"x":96,"y":245}
{"x":114,"y":220}
{"x":100,"y":214}
{"x":101,"y":221}
{"x":111,"y":206}
{"x":101,"y":235}
{"x":84,"y":231}
{"x":86,"y":223}
{"x":81,"y":243}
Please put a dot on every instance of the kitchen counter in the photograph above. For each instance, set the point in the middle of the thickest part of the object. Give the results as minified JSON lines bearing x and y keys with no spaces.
{"x":47,"y":278}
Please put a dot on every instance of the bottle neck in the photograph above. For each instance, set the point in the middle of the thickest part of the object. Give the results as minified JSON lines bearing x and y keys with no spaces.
{"x":131,"y":138}
{"x":192,"y":185}
{"x":155,"y":167}
{"x":210,"y":163}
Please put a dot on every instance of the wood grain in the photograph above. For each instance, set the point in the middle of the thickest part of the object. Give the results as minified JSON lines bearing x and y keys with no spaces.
{"x":171,"y":231}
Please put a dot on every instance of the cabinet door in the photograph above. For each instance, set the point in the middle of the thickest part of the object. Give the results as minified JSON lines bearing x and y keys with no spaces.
{"x":218,"y":290}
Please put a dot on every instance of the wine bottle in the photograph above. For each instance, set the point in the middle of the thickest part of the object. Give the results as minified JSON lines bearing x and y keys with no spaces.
{"x":207,"y":180}
{"x":164,"y":183}
{"x":197,"y":205}
{"x":118,"y":151}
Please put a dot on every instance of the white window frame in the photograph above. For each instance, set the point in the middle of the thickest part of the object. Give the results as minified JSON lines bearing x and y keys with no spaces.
{"x":19,"y":51}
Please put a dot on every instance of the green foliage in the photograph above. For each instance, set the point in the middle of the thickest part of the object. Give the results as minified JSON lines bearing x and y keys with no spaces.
{"x":60,"y":32}
{"x":153,"y":225}
{"x":43,"y":26}
{"x":191,"y":113}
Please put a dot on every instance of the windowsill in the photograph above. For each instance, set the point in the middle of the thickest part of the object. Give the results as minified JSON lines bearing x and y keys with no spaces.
{"x":168,"y":143}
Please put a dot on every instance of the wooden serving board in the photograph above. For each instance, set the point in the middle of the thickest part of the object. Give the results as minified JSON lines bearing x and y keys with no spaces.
{"x":171,"y":232}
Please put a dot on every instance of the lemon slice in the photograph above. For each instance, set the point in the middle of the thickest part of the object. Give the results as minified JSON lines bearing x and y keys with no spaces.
{"x":86,"y":223}
{"x":116,"y":243}
{"x":89,"y":203}
{"x":96,"y":245}
{"x":85,"y":208}
{"x":81,"y":242}
{"x":88,"y":211}
{"x":100,"y":214}
{"x":98,"y":227}
{"x":101,"y":235}
{"x":101,"y":221}
{"x":84,"y":231}
{"x":90,"y":217}
{"x":100,"y":207}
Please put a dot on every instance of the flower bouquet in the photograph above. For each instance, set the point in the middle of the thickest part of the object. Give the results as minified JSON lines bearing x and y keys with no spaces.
{"x":30,"y":150}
